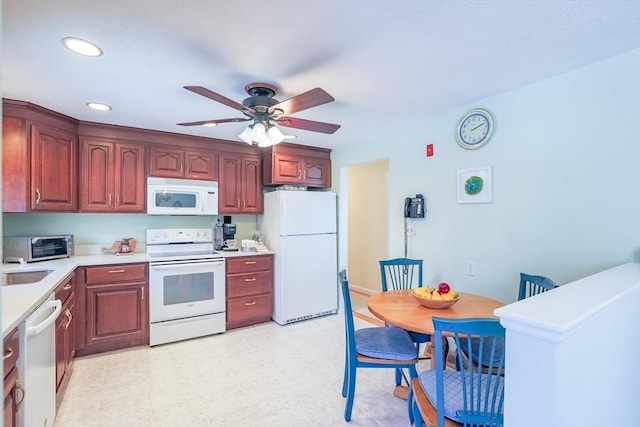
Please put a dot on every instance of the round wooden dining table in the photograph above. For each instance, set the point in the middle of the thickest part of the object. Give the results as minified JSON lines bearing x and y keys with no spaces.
{"x":401,"y":309}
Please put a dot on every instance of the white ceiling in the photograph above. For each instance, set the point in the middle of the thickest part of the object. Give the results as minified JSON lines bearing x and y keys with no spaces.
{"x":383,"y":61}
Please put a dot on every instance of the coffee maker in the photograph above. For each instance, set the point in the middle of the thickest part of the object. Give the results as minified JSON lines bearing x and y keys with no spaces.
{"x":229,"y":234}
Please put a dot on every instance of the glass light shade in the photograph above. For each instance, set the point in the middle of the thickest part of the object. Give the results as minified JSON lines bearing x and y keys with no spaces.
{"x":258,"y":134}
{"x":246,"y":135}
{"x":276,"y":135}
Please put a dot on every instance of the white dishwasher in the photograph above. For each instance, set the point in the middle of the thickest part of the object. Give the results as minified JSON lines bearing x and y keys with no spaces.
{"x":37,"y":365}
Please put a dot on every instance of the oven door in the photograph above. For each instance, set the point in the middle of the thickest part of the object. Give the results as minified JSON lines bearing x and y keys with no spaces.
{"x":181,"y":289}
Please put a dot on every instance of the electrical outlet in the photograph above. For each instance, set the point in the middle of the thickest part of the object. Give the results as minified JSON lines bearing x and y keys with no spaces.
{"x":411,"y":230}
{"x":471,"y":268}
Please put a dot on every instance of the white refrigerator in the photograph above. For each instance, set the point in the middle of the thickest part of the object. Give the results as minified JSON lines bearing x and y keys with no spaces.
{"x":300,"y":227}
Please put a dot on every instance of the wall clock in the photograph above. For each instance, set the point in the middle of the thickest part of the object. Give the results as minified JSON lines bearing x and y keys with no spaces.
{"x":474,"y":129}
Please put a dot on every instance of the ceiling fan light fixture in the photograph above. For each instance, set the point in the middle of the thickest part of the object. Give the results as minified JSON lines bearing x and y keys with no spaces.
{"x":82,"y":47}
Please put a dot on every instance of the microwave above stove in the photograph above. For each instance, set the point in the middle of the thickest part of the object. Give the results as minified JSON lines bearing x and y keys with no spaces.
{"x":169,"y":196}
{"x":37,"y":248}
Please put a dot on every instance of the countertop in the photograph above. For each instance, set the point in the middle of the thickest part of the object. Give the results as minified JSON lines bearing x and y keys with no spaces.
{"x":18,"y":301}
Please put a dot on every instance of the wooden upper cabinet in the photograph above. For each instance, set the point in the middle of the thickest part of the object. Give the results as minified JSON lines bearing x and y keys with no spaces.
{"x":297,"y":164}
{"x":113,"y":176}
{"x":40,"y":163}
{"x":192,"y":164}
{"x":240,"y":184}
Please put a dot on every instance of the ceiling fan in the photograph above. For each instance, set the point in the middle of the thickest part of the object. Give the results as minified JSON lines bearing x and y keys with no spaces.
{"x":265,"y":112}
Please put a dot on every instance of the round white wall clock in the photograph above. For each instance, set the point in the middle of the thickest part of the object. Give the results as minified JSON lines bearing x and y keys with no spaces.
{"x":475,"y":128}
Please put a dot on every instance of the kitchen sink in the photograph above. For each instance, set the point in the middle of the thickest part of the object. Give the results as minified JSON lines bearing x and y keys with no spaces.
{"x":24,"y":277}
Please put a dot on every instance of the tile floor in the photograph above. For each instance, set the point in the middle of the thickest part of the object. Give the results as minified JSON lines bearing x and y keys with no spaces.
{"x":265,"y":375}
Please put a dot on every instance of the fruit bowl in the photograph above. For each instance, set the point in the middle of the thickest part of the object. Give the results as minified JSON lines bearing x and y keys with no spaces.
{"x":431,"y":303}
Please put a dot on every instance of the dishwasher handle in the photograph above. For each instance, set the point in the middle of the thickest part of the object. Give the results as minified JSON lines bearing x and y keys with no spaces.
{"x":37,"y":329}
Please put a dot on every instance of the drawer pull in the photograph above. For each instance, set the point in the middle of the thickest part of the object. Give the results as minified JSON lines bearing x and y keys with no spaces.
{"x":37,"y":196}
{"x":250,"y":280}
{"x":116,"y":271}
{"x":249,"y":262}
{"x":250,"y":303}
{"x":7,"y":353}
{"x":66,"y":287}
{"x":21,"y":388}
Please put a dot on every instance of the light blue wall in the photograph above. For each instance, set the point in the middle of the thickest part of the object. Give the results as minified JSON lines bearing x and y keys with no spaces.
{"x":104,"y":229}
{"x":566,"y":175}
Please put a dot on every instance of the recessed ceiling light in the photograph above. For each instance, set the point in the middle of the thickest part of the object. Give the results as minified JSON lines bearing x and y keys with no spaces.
{"x":82,"y":47}
{"x":98,"y":106}
{"x":210,"y":124}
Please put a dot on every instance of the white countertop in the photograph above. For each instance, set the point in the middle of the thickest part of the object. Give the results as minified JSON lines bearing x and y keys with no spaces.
{"x":18,"y":301}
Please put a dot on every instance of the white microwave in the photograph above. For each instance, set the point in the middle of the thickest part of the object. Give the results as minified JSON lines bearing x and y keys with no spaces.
{"x":167,"y":196}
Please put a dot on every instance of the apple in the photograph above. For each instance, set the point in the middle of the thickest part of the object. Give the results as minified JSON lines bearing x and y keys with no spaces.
{"x":443,"y":288}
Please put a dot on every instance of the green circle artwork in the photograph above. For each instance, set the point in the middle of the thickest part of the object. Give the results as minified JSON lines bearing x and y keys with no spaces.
{"x":473,"y":185}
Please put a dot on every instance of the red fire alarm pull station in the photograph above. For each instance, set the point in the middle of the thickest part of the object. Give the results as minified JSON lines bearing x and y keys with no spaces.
{"x":429,"y":150}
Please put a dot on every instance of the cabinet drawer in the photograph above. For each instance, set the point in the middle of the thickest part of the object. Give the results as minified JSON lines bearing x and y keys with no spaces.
{"x":248,"y":308}
{"x":116,"y":273}
{"x":11,"y":351}
{"x":65,"y":290}
{"x":249,"y":284}
{"x":249,"y":263}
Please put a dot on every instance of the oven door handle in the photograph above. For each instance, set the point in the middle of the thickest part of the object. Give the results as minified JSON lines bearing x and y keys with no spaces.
{"x":173,"y":264}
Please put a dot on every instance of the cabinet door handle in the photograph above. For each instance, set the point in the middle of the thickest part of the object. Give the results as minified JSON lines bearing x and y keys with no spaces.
{"x":116,"y":271}
{"x":238,"y":203}
{"x":304,"y":175}
{"x":181,"y":167}
{"x":21,"y":388}
{"x":109,"y":199}
{"x":69,"y":318}
{"x":186,"y":169}
{"x":249,"y":262}
{"x":142,"y":298}
{"x":66,"y":287}
{"x":250,"y":280}
{"x":37,"y":196}
{"x":299,"y":174}
{"x":250,"y":303}
{"x":8,"y":352}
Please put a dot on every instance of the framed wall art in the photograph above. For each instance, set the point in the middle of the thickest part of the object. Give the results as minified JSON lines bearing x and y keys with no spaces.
{"x":475,"y":185}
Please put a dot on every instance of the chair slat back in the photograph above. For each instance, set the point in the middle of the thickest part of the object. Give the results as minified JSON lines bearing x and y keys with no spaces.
{"x":531,"y":285}
{"x":401,"y":273}
{"x":482,"y":383}
{"x":349,"y":327}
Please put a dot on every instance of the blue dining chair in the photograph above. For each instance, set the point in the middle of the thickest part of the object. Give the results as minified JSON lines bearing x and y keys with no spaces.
{"x":531,"y":285}
{"x":403,"y":273}
{"x":375,"y":347}
{"x":473,"y":395}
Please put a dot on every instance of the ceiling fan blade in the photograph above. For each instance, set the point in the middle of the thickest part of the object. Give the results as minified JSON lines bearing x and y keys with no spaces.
{"x":217,"y":97}
{"x":304,"y":124}
{"x":204,"y":122}
{"x":305,"y":100}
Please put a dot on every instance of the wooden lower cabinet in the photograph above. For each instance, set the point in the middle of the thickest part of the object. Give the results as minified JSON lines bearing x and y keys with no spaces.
{"x":116,"y":307}
{"x":65,"y":336}
{"x":13,"y":391}
{"x":249,"y":290}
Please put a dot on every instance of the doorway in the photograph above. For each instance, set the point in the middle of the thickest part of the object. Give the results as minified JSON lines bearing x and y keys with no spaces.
{"x":364,"y":212}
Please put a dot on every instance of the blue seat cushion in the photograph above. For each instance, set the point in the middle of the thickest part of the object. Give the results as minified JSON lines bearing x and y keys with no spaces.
{"x":453,"y":393}
{"x":385,"y":343}
{"x":418,"y":337}
{"x":486,"y":350}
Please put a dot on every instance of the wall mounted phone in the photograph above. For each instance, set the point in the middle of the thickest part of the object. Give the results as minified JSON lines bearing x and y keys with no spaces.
{"x":414,"y":207}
